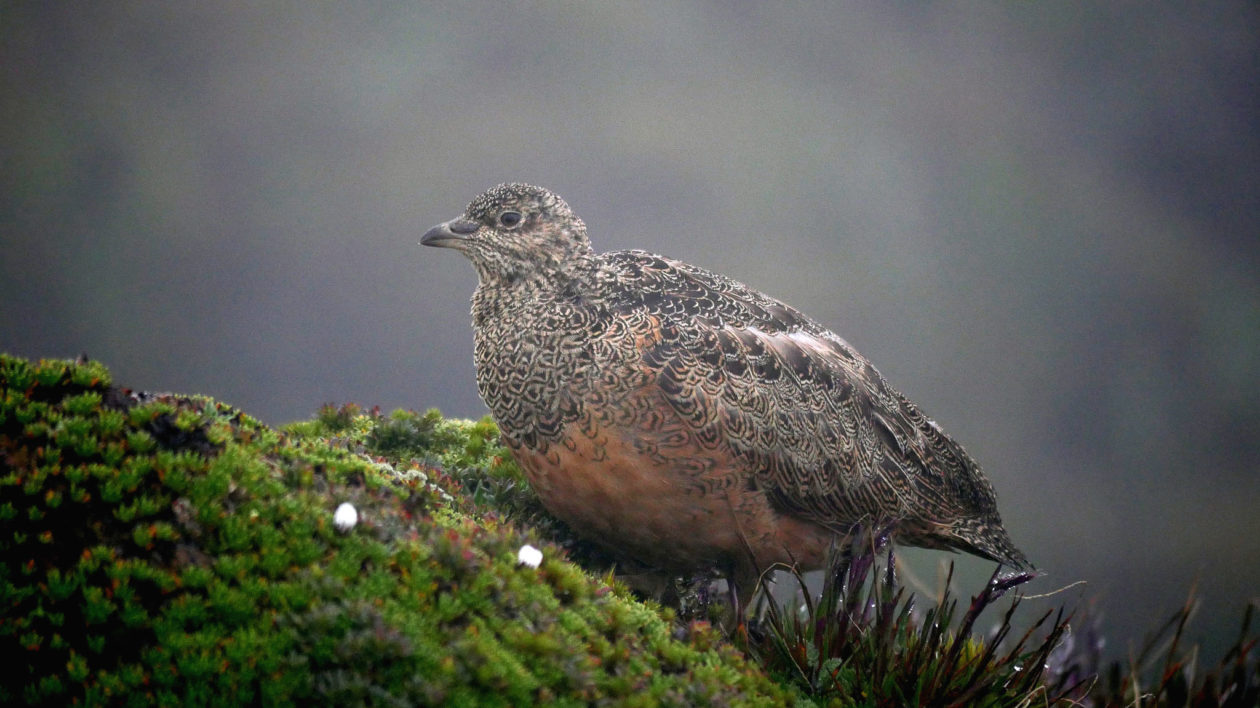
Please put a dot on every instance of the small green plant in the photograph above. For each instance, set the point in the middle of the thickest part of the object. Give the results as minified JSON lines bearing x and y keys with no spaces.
{"x":169,"y":550}
{"x":464,"y":455}
{"x":337,"y":419}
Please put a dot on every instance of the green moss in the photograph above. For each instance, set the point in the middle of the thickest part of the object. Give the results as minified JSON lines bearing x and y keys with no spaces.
{"x":171,"y":550}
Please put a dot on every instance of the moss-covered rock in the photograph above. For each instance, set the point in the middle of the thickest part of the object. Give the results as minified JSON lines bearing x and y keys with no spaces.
{"x":172,"y":550}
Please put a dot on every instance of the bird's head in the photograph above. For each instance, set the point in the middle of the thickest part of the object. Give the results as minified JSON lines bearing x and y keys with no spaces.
{"x":515,"y":233}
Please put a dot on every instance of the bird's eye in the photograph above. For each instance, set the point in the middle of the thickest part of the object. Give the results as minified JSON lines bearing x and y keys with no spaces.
{"x":510,"y":219}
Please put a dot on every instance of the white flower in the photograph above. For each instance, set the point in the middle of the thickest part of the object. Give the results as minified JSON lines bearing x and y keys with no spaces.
{"x":529,"y":556}
{"x":346,"y":517}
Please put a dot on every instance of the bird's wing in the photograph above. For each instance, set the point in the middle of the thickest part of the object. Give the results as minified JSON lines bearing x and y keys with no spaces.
{"x":820,"y":429}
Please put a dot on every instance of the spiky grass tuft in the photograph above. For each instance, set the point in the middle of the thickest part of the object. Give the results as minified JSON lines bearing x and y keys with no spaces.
{"x":1164,"y":671}
{"x":863,"y":641}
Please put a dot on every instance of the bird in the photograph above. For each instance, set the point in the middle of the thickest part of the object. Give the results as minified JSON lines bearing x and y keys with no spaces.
{"x":688,"y":422}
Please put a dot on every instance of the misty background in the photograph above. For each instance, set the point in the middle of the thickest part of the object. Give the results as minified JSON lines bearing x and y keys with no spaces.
{"x":1040,"y":221}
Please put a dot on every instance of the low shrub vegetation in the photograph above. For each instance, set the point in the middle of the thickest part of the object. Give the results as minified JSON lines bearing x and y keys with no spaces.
{"x":171,"y":550}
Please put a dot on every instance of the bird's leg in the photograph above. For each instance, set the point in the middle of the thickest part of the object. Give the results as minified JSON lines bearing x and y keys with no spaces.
{"x":737,"y":611}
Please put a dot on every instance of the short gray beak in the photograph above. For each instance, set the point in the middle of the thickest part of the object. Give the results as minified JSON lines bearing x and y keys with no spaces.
{"x":453,"y":230}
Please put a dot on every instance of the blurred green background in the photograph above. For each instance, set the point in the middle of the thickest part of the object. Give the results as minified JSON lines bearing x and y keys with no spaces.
{"x":1040,"y":221}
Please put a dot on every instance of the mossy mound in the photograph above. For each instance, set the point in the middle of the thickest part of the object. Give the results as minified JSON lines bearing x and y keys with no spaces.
{"x":172,"y":550}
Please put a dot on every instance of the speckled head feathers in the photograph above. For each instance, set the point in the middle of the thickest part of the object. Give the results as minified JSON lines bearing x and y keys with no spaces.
{"x":516,"y":234}
{"x":518,"y":195}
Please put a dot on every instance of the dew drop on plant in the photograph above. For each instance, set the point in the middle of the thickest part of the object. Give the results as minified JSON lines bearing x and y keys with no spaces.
{"x":529,"y":556}
{"x":345,"y":517}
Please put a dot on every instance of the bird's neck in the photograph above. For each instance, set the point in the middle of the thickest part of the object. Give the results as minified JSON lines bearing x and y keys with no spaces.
{"x":505,"y":290}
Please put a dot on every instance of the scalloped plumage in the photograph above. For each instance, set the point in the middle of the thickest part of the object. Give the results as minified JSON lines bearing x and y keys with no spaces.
{"x":687,"y":421}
